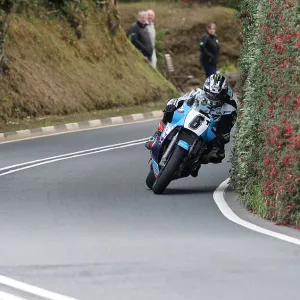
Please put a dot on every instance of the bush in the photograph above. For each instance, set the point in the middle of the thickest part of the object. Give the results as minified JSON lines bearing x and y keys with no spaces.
{"x":266,"y":151}
{"x":160,"y":48}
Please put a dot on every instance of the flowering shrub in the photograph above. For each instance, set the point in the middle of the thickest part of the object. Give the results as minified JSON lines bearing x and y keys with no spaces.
{"x":266,"y":153}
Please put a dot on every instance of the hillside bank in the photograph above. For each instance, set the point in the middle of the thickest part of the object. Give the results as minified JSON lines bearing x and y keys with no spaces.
{"x":179,"y":29}
{"x":71,"y":59}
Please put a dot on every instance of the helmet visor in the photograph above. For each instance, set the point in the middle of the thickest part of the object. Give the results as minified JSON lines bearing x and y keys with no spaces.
{"x":215,"y":99}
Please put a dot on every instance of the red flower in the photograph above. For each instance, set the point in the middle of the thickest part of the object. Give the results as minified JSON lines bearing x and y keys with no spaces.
{"x":290,"y":129}
{"x":287,"y":4}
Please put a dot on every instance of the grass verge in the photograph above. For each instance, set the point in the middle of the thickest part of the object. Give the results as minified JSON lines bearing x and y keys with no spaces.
{"x":28,"y":123}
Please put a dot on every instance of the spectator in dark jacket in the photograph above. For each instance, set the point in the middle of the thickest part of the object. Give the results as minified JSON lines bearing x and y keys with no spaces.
{"x":139,"y":35}
{"x":209,"y":50}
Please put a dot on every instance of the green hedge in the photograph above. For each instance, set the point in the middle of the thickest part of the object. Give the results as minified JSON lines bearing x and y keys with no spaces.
{"x":266,"y":154}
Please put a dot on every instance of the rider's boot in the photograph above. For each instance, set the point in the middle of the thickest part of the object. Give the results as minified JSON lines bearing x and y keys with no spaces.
{"x":195,"y":171}
{"x":217,"y":154}
{"x":160,"y":129}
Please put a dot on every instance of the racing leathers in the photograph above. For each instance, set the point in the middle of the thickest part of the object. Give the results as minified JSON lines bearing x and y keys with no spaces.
{"x":223,"y":112}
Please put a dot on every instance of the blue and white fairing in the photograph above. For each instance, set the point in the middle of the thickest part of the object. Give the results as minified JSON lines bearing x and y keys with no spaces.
{"x":191,"y":119}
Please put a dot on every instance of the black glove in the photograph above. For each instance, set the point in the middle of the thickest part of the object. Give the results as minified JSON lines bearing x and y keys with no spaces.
{"x":170,"y":108}
{"x":168,"y":113}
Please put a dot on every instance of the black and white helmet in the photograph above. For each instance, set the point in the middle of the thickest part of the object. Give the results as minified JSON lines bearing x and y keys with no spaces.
{"x":215,"y":87}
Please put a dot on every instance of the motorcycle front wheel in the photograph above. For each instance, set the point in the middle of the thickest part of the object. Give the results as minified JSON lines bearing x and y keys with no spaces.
{"x":150,"y":179}
{"x":168,"y":172}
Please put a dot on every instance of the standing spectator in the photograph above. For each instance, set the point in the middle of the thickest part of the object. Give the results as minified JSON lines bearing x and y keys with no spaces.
{"x":139,"y":35}
{"x":152,"y":34}
{"x":209,"y":50}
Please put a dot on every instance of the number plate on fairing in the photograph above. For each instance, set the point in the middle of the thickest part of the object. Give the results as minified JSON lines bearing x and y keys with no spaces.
{"x":196,"y":122}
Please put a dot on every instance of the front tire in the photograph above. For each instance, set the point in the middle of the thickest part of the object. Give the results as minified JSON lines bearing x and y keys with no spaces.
{"x":150,"y":179}
{"x":166,"y":175}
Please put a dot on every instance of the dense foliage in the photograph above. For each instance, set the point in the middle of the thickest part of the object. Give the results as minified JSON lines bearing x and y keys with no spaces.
{"x":266,"y":155}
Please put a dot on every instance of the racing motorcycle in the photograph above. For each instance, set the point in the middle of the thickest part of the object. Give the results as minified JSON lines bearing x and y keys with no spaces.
{"x":181,"y":147}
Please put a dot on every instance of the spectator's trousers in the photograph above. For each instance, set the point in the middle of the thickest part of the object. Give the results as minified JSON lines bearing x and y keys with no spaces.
{"x":209,"y":69}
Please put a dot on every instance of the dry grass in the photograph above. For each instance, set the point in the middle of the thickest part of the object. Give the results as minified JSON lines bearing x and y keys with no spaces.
{"x":54,"y":73}
{"x":185,"y":27}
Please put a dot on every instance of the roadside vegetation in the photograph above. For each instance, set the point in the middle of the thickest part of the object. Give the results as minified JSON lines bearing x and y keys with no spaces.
{"x":266,"y":155}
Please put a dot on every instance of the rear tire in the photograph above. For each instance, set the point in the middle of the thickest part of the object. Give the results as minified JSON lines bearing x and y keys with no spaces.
{"x":150,"y":179}
{"x":166,"y":176}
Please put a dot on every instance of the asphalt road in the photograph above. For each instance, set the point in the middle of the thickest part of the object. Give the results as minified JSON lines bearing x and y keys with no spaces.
{"x":88,"y":228}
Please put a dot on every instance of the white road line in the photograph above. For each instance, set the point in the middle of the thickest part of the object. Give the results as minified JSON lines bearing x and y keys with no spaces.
{"x":5,"y":296}
{"x":30,"y":289}
{"x":229,"y":214}
{"x":70,"y":154}
{"x":218,"y":198}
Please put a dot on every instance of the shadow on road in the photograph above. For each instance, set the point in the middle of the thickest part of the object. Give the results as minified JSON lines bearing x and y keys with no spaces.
{"x":189,"y":191}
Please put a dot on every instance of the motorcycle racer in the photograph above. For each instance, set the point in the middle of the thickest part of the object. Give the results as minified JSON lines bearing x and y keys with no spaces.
{"x":213,"y":100}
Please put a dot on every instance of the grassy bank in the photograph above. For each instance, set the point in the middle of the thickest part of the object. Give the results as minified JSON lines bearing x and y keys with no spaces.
{"x":58,"y":70}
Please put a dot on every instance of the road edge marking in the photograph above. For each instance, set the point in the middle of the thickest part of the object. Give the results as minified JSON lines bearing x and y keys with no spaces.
{"x":40,"y":132}
{"x":230,"y":215}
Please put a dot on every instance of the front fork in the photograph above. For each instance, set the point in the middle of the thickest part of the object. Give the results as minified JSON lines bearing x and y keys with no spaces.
{"x":165,"y":156}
